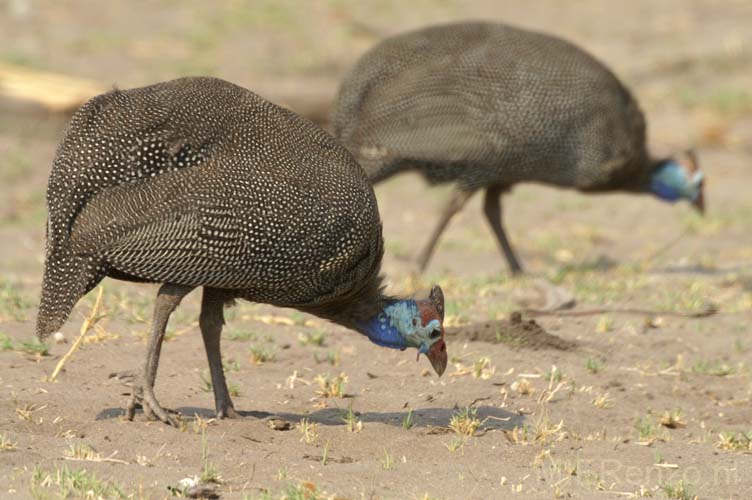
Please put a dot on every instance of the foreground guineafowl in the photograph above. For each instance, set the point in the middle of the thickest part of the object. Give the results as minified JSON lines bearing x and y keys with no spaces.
{"x":486,"y":106}
{"x":199,"y":182}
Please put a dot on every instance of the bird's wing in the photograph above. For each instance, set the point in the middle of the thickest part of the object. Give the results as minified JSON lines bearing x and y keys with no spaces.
{"x":114,"y":141}
{"x":202,"y":226}
{"x":422,"y":119}
{"x":173,"y":229}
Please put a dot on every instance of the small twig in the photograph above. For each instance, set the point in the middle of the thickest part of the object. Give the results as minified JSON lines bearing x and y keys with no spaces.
{"x":88,"y":323}
{"x":709,"y":311}
{"x":549,"y":394}
{"x":500,"y":419}
{"x":478,"y":400}
{"x":105,"y":459}
{"x":666,"y":247}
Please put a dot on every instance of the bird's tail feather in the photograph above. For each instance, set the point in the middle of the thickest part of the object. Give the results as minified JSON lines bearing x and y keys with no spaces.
{"x":67,"y":278}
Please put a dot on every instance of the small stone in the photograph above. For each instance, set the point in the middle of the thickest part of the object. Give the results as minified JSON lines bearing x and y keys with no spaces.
{"x":279,"y":424}
{"x":188,"y":482}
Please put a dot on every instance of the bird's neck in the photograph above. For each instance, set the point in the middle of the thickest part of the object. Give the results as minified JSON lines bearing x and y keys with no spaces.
{"x":355,"y":308}
{"x":389,"y":326}
{"x":630,"y":175}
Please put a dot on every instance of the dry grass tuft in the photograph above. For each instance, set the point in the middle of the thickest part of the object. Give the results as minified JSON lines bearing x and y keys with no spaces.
{"x":69,"y":483}
{"x":605,"y":324}
{"x":331,"y":387}
{"x":309,"y":431}
{"x":303,"y":491}
{"x":260,"y":355}
{"x":209,"y":472}
{"x":465,"y":422}
{"x":316,"y":338}
{"x":352,"y":422}
{"x":523,"y":387}
{"x":26,"y":412}
{"x":387,"y":461}
{"x":678,"y":491}
{"x":731,"y":441}
{"x":673,"y":419}
{"x":6,"y":444}
{"x":199,"y":425}
{"x":593,"y":365}
{"x":542,"y":432}
{"x":603,"y":401}
{"x":482,"y":369}
{"x":85,"y":453}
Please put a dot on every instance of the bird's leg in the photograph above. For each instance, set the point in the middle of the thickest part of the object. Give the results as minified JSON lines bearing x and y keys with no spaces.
{"x":168,"y":298}
{"x":492,"y":209}
{"x":211,"y":321}
{"x":456,"y":202}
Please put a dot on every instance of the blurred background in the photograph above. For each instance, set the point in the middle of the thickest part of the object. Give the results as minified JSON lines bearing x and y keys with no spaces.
{"x":297,"y":49}
{"x":688,"y":61}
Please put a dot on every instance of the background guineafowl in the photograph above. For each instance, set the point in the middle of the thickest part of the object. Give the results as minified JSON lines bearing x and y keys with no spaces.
{"x":485,"y":106}
{"x":199,"y":182}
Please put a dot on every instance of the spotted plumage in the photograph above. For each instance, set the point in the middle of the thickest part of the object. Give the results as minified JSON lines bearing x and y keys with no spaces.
{"x":485,"y":106}
{"x":199,"y":182}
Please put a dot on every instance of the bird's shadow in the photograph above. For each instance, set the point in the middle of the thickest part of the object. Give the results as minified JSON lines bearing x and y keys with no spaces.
{"x":491,"y":418}
{"x":702,"y":269}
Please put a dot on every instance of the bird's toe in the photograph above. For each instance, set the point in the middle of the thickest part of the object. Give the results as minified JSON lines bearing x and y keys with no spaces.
{"x":151,"y":407}
{"x":227,"y":411}
{"x":133,"y":402}
{"x":156,"y":412}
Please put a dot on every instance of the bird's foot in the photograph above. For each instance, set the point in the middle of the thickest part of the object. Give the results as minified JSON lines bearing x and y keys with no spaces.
{"x":152,"y":409}
{"x":225,"y":409}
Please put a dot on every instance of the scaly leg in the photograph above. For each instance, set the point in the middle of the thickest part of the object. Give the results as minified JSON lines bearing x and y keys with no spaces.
{"x":492,"y":208}
{"x":456,"y":202}
{"x":211,"y":321}
{"x":168,"y":298}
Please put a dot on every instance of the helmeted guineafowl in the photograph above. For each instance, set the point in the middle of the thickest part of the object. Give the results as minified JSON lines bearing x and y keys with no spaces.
{"x":199,"y":182}
{"x":486,"y":106}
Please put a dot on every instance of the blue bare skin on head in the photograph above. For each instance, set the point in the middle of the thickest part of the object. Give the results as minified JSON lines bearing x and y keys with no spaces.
{"x":399,"y":326}
{"x":672,"y":182}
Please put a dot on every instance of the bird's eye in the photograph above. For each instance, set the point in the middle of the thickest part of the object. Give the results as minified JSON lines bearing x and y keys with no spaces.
{"x":435,"y":334}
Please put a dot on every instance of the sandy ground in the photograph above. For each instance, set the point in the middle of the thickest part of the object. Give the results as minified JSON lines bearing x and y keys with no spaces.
{"x":605,"y":405}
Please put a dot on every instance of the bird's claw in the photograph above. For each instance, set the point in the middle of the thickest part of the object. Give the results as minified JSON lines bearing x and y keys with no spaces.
{"x":151,"y":407}
{"x":225,"y":409}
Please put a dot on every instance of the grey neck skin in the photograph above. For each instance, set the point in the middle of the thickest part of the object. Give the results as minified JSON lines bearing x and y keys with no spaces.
{"x":353,"y":309}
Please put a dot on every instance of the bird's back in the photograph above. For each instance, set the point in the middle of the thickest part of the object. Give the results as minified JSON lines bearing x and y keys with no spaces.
{"x":200,"y":182}
{"x":483,"y":103}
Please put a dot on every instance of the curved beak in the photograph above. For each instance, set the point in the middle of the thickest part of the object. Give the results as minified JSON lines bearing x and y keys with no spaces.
{"x":699,"y":202}
{"x":437,"y":355}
